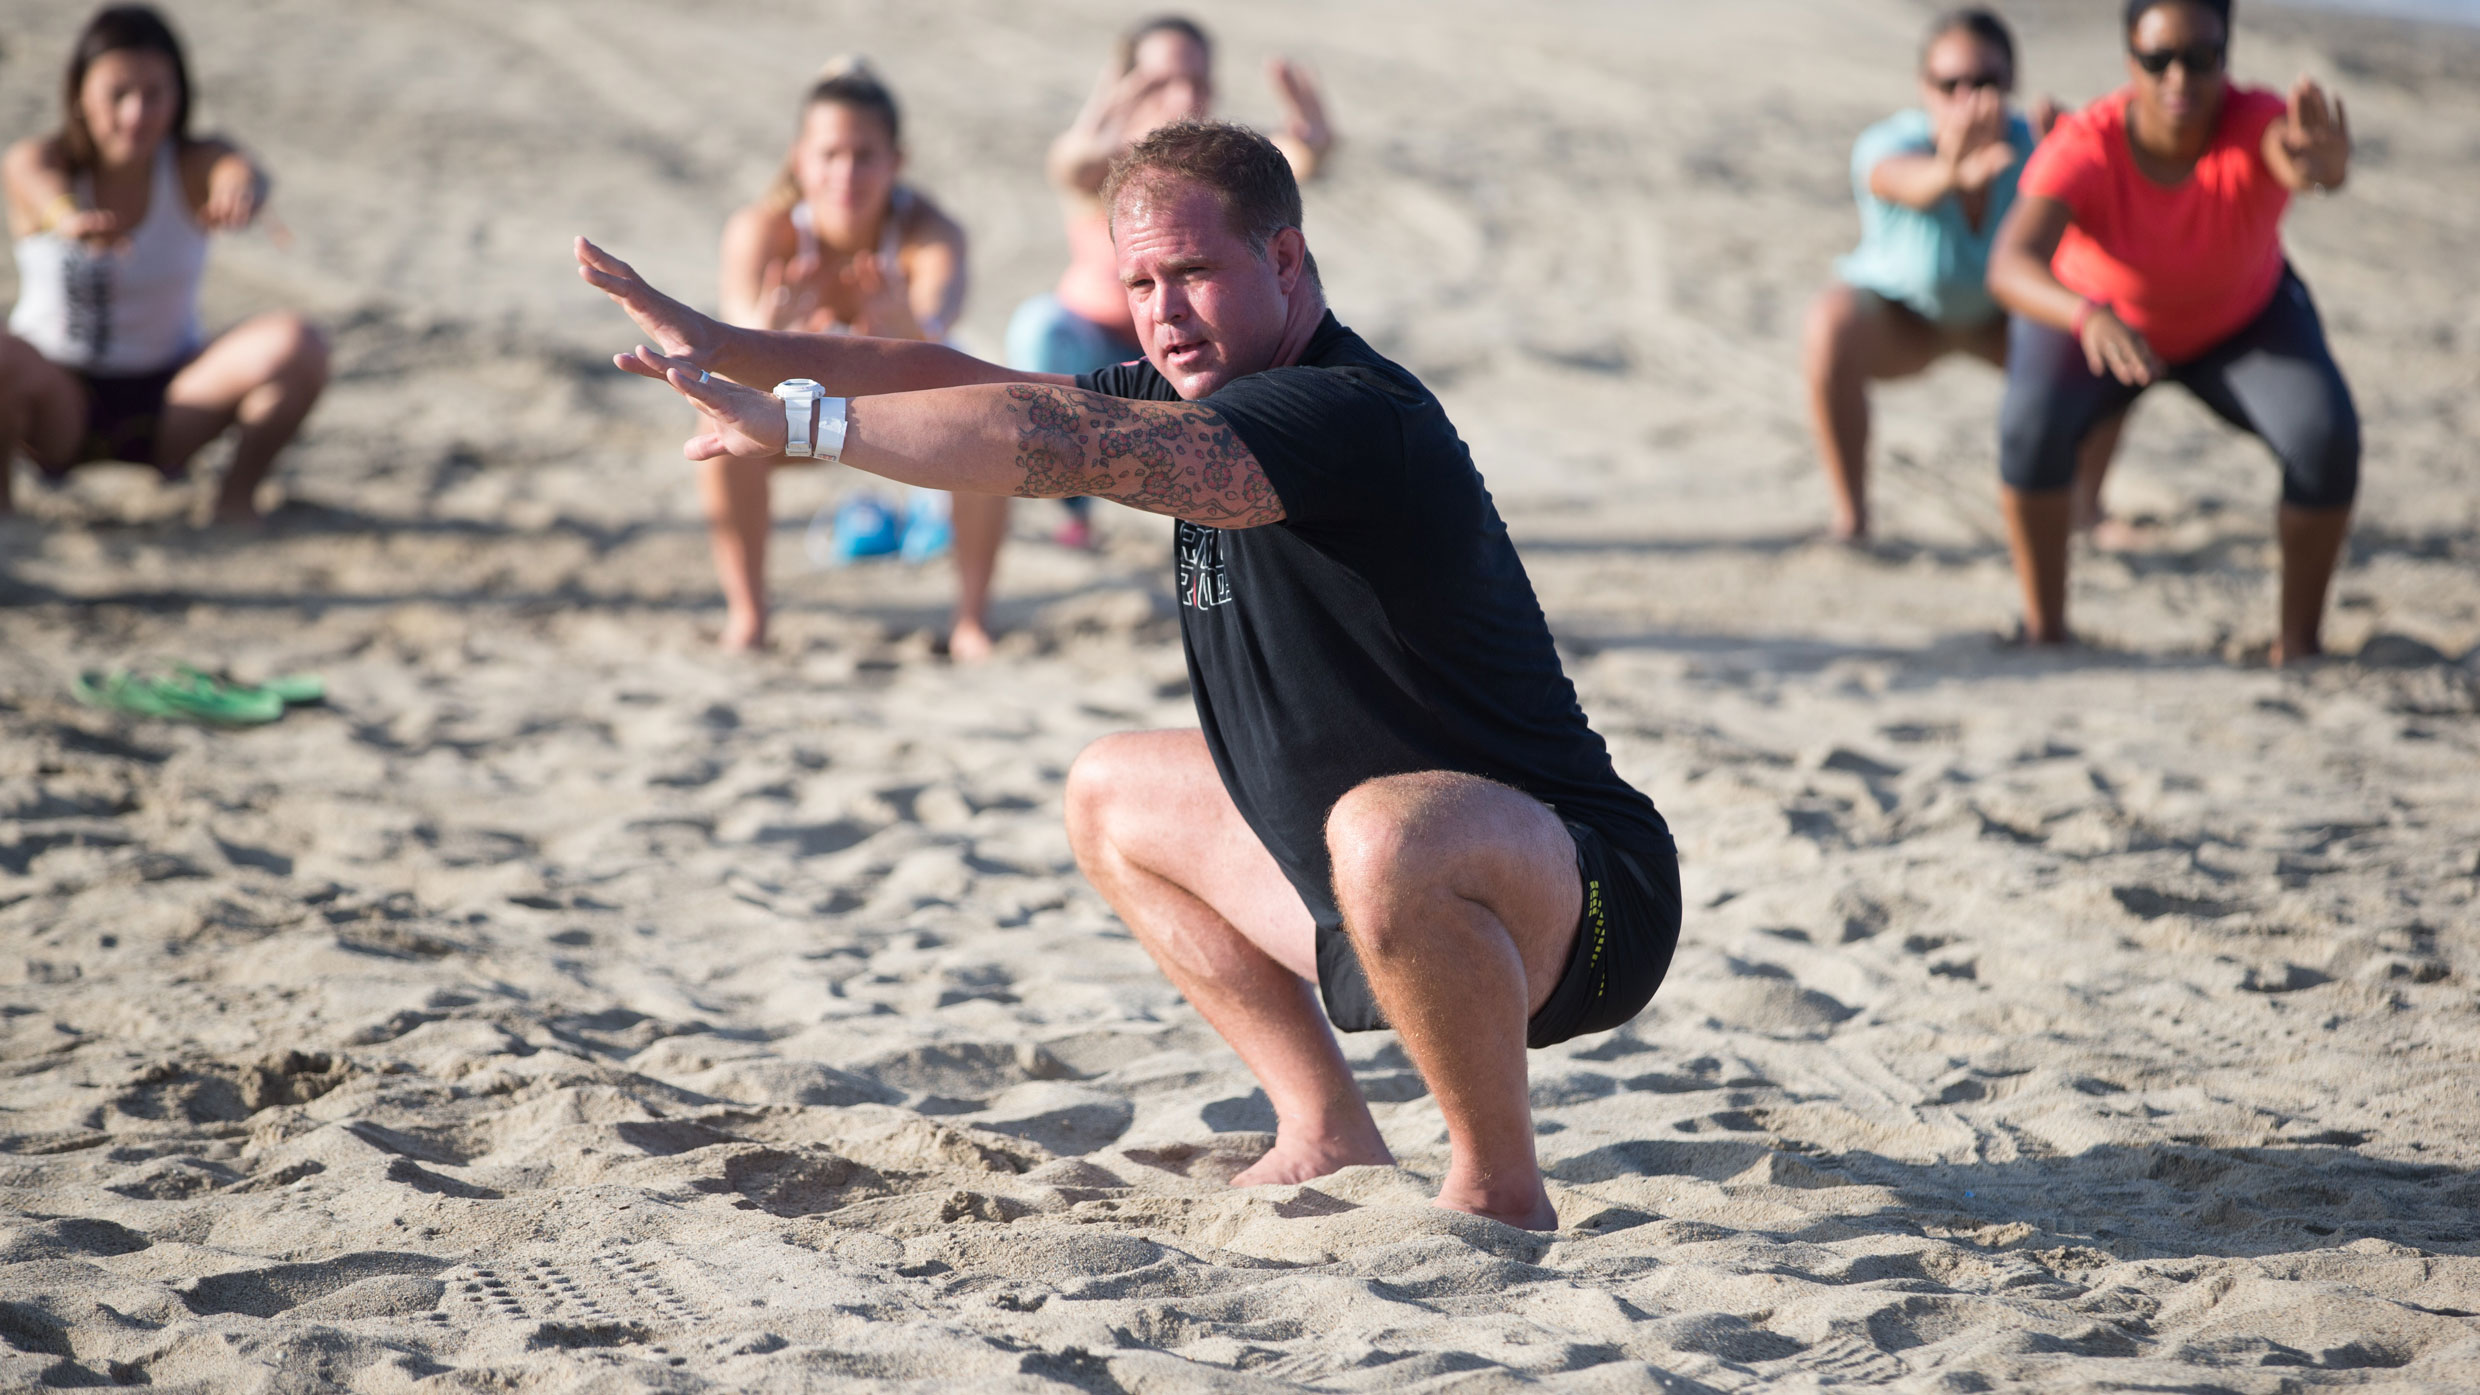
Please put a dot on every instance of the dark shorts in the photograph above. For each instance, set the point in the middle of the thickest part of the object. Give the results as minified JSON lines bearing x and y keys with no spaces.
{"x":1624,"y":939}
{"x":123,"y":413}
{"x":2275,"y":377}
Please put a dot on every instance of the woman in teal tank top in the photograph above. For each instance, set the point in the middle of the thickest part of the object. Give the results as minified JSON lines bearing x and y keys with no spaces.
{"x":1932,"y":184}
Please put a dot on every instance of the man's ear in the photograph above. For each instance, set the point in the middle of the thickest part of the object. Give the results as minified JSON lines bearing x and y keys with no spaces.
{"x":1289,"y":251}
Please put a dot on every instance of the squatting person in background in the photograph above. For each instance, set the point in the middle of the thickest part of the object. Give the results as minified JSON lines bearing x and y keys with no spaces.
{"x":106,"y":358}
{"x":2146,"y":244}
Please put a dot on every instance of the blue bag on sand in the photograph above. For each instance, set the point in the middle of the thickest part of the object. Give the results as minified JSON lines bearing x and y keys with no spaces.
{"x":864,"y":527}
{"x":927,"y":531}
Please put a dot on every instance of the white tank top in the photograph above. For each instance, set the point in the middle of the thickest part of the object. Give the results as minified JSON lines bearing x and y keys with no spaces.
{"x":134,"y":310}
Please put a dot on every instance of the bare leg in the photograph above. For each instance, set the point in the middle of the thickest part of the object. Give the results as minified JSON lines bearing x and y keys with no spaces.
{"x":739,"y":512}
{"x":1853,"y":337}
{"x":2092,"y":469}
{"x":264,"y":374}
{"x":1158,"y":837}
{"x":981,"y":526}
{"x":42,"y":412}
{"x":1461,"y":897}
{"x":2311,"y":545}
{"x":2036,"y":528}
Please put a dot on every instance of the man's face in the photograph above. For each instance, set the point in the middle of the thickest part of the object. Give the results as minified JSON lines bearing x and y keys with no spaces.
{"x":1208,"y":308}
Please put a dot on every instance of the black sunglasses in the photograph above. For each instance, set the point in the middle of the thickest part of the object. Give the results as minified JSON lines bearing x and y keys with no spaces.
{"x":1973,"y":81}
{"x":2200,"y":60}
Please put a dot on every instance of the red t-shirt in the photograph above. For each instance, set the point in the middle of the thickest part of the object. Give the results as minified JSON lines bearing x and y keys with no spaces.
{"x":2185,"y":266}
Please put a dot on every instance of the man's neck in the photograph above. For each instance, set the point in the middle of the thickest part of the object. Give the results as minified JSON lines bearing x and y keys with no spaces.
{"x":1300,"y":325}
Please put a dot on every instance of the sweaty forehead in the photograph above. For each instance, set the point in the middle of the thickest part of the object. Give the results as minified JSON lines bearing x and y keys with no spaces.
{"x":1161,"y":216}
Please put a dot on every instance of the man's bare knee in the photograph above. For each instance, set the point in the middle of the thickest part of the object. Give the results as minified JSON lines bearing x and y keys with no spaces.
{"x":1383,"y":839}
{"x":1096,"y":781}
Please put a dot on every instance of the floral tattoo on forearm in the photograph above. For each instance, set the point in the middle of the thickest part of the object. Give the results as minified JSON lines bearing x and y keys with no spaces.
{"x":1174,"y":458}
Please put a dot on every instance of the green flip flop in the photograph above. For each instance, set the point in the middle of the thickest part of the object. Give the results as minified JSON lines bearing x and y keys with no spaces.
{"x":192,"y":694}
{"x":293,"y":689}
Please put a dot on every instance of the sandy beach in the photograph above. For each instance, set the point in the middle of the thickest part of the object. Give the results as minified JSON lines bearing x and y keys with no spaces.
{"x":567,"y":1006}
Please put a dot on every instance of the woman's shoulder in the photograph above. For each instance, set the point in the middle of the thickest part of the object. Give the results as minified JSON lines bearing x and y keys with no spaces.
{"x":924,"y":222}
{"x":2098,"y":120}
{"x":2091,"y":135}
{"x":764,"y":224}
{"x":33,"y":154}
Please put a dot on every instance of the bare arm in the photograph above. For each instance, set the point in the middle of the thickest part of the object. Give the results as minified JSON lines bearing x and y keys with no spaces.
{"x":934,"y":272}
{"x":1914,"y":181}
{"x":756,"y":256}
{"x":1041,"y":440}
{"x":1307,"y":135}
{"x":1972,"y":151}
{"x":226,"y":187}
{"x":40,"y":199}
{"x":850,"y":365}
{"x":1081,"y":155}
{"x":2309,"y":147}
{"x":2020,"y":278}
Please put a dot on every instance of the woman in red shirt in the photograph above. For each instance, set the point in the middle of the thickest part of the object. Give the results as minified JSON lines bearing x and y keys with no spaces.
{"x":2146,"y":244}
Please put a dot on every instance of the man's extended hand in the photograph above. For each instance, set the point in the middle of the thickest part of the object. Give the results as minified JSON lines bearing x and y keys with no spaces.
{"x":741,"y":423}
{"x":684,"y":333}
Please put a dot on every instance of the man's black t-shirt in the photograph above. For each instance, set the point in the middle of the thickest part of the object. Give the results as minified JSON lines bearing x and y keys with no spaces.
{"x":1384,"y":626}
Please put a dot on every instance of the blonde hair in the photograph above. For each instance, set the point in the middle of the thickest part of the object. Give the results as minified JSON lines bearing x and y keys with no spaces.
{"x":848,"y":80}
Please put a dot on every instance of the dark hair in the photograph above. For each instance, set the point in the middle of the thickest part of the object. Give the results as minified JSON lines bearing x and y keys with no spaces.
{"x":117,"y":29}
{"x":1981,"y":24}
{"x":1242,"y":169}
{"x":847,"y":81}
{"x":1181,"y":25}
{"x":2220,"y":9}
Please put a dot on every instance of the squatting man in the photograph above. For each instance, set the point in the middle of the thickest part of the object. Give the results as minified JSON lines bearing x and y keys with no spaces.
{"x":1393,"y":813}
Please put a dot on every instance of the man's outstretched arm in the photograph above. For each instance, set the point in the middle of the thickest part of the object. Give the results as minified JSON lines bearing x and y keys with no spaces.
{"x":1042,"y":440}
{"x":849,"y":365}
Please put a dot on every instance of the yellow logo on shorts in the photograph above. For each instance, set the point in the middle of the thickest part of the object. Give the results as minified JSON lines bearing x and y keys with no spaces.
{"x":1601,"y":933}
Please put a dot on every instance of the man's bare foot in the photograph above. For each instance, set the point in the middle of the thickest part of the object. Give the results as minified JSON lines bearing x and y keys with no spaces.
{"x":968,"y":643}
{"x":1507,"y":1205}
{"x":2294,"y":649}
{"x":1296,"y":1160}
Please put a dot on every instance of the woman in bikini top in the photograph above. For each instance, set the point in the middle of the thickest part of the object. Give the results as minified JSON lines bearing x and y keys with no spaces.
{"x":839,"y":245}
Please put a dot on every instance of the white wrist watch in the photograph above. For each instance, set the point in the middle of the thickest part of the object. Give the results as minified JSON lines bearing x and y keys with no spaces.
{"x":800,"y":397}
{"x":813,"y":421}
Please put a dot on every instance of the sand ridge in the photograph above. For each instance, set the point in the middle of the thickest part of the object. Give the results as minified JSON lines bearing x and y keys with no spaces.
{"x":567,"y":1007}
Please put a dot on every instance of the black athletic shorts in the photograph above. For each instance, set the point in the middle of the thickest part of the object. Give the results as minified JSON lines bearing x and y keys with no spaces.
{"x":123,"y":413}
{"x":1624,"y":939}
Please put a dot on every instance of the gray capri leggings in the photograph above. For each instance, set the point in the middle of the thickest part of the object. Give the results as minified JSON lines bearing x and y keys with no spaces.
{"x":2274,"y":378}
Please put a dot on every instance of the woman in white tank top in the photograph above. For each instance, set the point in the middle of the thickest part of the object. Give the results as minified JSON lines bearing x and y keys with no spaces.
{"x":838,"y":246}
{"x":105,"y":358}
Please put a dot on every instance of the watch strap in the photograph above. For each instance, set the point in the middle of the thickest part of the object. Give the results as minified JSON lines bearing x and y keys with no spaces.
{"x":830,"y":446}
{"x":797,"y":426}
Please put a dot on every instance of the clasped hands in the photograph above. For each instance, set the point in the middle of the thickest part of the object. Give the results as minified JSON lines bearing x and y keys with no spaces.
{"x":1971,"y":140}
